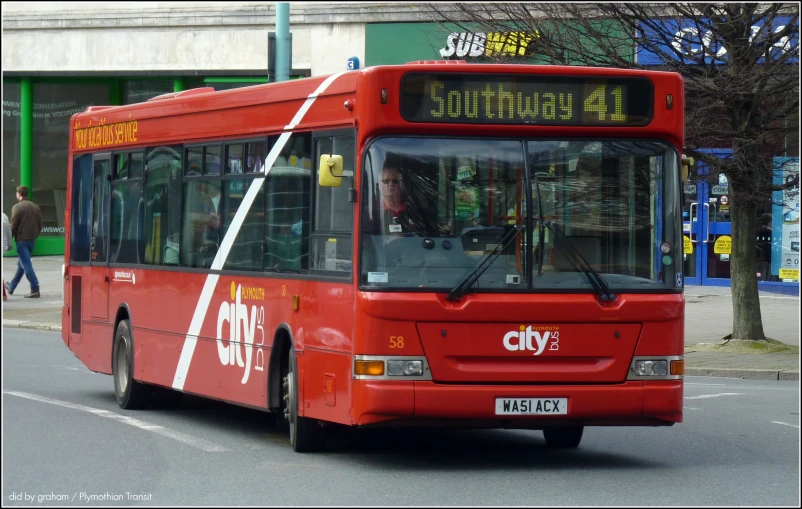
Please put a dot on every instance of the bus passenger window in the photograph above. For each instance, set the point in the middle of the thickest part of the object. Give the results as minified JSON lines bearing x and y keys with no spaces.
{"x":200,"y":234}
{"x":81,"y":208}
{"x":246,"y":251}
{"x":162,"y":205}
{"x":287,"y":211}
{"x":334,"y":214}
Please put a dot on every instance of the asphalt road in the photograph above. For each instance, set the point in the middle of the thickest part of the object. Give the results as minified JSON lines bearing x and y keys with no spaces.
{"x":66,"y":442}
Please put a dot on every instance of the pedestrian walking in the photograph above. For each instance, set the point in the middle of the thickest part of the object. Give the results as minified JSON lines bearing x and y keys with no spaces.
{"x":6,"y":245}
{"x":26,"y":224}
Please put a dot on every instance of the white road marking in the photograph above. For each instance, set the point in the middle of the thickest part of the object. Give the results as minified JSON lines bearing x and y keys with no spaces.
{"x":82,"y":370}
{"x":705,"y":396}
{"x":691,"y":408}
{"x":795,"y":389}
{"x":786,"y":424}
{"x":191,"y":339}
{"x":199,"y":443}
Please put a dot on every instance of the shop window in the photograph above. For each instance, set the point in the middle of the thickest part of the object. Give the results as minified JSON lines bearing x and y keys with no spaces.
{"x":53,"y":105}
{"x":11,"y":144}
{"x":137,"y":91}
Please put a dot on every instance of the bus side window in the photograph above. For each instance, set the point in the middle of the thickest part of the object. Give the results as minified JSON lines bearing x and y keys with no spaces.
{"x":334,"y":214}
{"x":81,"y":208}
{"x":162,"y":205}
{"x":287,"y":200}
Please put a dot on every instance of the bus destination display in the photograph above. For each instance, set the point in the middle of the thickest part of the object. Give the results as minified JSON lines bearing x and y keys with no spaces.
{"x":536,"y":100}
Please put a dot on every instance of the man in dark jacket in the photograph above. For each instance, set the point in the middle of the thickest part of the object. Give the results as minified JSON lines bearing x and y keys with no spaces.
{"x":26,"y":224}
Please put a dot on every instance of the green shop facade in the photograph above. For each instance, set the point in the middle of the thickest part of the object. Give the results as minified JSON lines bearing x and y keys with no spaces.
{"x":36,"y":118}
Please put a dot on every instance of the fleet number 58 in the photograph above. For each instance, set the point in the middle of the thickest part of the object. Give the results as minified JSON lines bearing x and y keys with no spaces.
{"x":396,"y":341}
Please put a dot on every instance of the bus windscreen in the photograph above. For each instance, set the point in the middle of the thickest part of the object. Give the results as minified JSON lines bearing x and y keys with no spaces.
{"x":532,"y":100}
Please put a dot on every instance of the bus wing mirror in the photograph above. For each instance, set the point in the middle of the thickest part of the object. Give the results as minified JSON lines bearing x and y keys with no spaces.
{"x":330,"y":171}
{"x":687,"y":162}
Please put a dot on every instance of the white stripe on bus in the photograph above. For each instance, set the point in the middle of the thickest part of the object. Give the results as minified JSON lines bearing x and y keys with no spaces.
{"x":201,"y":309}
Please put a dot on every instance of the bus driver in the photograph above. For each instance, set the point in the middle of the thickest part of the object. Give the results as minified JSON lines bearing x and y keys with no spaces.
{"x":395,"y":216}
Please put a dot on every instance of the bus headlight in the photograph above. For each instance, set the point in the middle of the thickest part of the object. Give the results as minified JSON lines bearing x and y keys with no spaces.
{"x":391,"y":367}
{"x":656,"y":368}
{"x":404,"y":368}
{"x":649,"y":368}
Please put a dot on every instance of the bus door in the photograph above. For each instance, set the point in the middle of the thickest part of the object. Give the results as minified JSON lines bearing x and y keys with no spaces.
{"x":96,"y":294}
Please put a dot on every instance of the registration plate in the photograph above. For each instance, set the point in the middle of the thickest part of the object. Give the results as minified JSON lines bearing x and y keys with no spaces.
{"x":531,"y":406}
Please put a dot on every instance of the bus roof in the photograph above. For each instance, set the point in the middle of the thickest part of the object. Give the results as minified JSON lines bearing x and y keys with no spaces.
{"x":202,"y":114}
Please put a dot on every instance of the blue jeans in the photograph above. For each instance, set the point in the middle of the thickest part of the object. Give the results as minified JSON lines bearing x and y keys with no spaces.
{"x":24,"y":266}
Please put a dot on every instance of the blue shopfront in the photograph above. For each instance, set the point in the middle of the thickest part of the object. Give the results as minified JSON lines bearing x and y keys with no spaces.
{"x":707,"y":228}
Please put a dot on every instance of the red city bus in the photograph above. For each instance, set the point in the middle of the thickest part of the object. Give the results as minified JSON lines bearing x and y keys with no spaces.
{"x":438,"y":243}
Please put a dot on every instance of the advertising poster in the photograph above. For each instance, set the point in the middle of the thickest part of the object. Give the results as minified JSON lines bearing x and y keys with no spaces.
{"x":785,"y":221}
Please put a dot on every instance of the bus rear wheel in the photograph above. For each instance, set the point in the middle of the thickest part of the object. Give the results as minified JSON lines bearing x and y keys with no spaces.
{"x":306,"y":435}
{"x":563,"y":438}
{"x":130,"y":394}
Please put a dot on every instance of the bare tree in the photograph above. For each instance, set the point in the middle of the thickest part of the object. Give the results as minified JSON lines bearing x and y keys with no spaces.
{"x":741,"y":72}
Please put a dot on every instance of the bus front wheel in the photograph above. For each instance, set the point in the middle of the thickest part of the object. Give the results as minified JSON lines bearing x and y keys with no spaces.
{"x":563,"y":438}
{"x":130,"y":393}
{"x":306,"y":435}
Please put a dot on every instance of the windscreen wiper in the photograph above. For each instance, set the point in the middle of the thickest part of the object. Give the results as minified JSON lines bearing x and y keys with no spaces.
{"x":459,"y":290}
{"x":579,"y":261}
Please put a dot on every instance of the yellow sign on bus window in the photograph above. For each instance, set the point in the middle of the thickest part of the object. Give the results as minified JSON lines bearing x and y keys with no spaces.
{"x":789,"y":274}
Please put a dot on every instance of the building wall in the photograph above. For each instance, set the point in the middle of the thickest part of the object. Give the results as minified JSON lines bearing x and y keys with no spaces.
{"x":193,"y":36}
{"x":123,"y":52}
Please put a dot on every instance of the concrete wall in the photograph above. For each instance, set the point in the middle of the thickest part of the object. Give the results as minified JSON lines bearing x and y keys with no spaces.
{"x":137,"y":37}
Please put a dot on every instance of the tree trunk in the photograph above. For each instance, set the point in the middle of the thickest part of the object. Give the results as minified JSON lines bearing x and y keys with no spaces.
{"x":746,"y":319}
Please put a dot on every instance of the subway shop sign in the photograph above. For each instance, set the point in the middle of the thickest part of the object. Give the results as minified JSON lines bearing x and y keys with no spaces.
{"x":537,"y":100}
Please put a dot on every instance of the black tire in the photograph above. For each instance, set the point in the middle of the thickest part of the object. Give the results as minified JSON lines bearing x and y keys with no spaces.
{"x":563,"y":438}
{"x":167,"y":398}
{"x":130,"y":394}
{"x":306,"y":435}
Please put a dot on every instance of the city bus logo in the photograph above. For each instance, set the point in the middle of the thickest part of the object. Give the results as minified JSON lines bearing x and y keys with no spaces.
{"x":242,"y":329}
{"x":533,"y":339}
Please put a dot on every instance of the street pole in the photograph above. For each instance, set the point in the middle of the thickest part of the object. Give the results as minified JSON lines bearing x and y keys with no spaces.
{"x":282,"y":41}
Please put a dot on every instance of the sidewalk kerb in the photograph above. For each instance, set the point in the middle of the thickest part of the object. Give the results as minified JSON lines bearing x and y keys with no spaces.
{"x":31,"y":325}
{"x":745,"y":374}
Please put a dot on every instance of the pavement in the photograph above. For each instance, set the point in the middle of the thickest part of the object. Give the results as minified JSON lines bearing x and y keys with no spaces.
{"x":708,"y":318}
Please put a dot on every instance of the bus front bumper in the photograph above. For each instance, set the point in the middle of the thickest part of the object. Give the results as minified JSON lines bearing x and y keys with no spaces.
{"x":636,"y":403}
